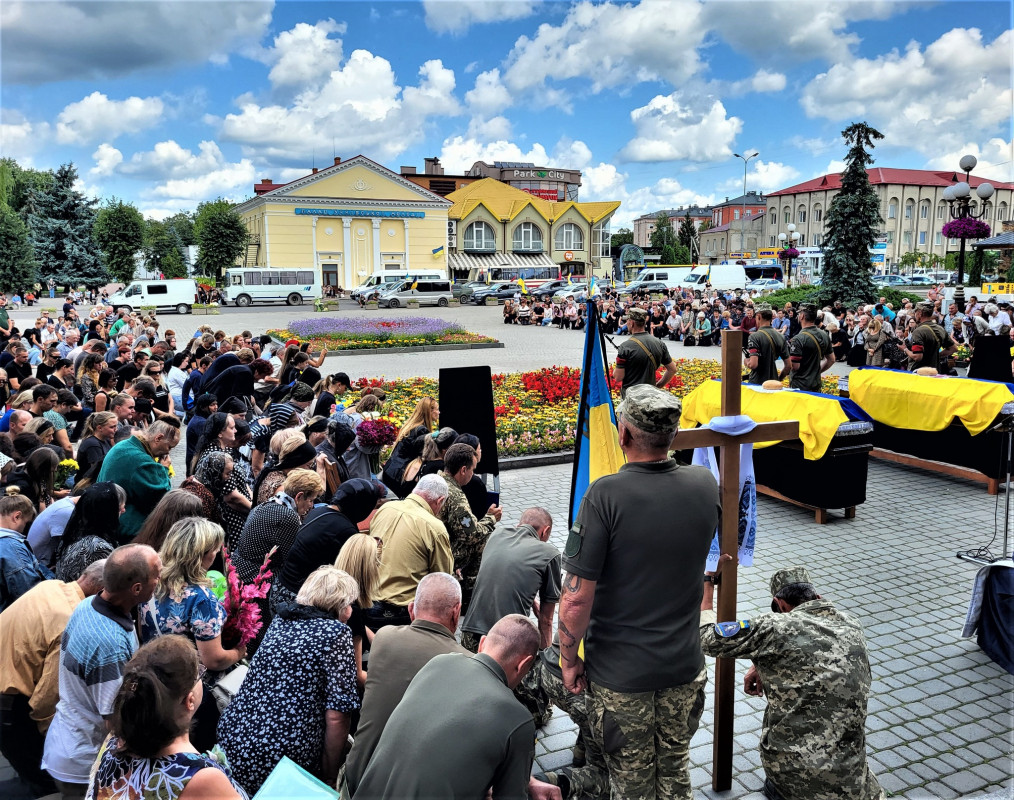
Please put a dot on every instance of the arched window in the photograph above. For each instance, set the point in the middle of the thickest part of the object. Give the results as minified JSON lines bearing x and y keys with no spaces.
{"x":787,"y":214}
{"x":773,"y":216}
{"x":924,"y":208}
{"x":569,"y":237}
{"x":479,"y":236}
{"x":818,"y":213}
{"x":801,"y":213}
{"x":892,"y":209}
{"x":1001,"y":211}
{"x":942,"y":211}
{"x":527,"y":238}
{"x":909,"y":209}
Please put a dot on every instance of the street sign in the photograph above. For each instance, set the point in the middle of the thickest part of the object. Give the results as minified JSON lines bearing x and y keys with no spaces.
{"x":880,"y":246}
{"x":877,"y":258}
{"x":997,"y":288}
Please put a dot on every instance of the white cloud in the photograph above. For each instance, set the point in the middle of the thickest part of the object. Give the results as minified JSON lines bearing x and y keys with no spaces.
{"x":305,"y":55}
{"x":605,"y":182}
{"x":489,"y":96}
{"x":54,"y":41}
{"x":457,"y":16}
{"x":770,"y":176}
{"x":107,"y":158}
{"x":834,"y":166}
{"x":570,"y":154}
{"x":458,"y":153}
{"x":934,"y":99}
{"x":360,"y":108}
{"x":995,"y":159}
{"x":780,"y":30}
{"x":489,"y":130}
{"x":20,"y":138}
{"x":610,"y":45}
{"x":764,"y":81}
{"x":671,"y":128}
{"x":97,"y":117}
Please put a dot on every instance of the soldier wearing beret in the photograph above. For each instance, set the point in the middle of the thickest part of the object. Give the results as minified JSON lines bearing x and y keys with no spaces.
{"x":639,"y":357}
{"x":634,"y":559}
{"x":810,"y":659}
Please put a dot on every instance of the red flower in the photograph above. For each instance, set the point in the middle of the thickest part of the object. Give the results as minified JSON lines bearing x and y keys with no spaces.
{"x":243,"y":616}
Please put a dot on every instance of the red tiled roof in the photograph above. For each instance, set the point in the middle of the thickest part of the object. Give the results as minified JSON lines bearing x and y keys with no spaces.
{"x":882,"y":175}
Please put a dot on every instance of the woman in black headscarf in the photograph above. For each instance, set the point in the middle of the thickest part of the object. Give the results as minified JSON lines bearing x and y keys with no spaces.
{"x":91,"y":529}
{"x":219,"y":436}
{"x":401,"y":472}
{"x":323,"y":532}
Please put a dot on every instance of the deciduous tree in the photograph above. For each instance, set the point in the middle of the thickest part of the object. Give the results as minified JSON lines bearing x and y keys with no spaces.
{"x":119,"y":230}
{"x":221,"y":236}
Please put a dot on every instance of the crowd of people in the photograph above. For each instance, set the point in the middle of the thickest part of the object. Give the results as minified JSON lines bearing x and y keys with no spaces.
{"x":407,"y":645}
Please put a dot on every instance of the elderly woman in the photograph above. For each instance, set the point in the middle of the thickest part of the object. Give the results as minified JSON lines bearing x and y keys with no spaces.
{"x":150,"y":752}
{"x":295,"y":453}
{"x":219,"y":435}
{"x":208,"y":483}
{"x":274,"y":525}
{"x":298,"y":706}
{"x":184,"y":604}
{"x":998,"y":320}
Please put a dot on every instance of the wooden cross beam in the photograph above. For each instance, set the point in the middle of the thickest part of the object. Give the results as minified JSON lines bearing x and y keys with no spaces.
{"x":725,"y":668}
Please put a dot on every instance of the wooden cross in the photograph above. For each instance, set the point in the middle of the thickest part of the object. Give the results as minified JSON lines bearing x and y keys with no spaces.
{"x":687,"y":438}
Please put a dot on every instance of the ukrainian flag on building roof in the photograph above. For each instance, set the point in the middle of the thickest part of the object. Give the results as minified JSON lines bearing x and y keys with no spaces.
{"x":597,"y":446}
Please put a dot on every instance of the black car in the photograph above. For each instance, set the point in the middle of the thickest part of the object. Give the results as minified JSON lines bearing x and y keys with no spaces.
{"x":502,"y":290}
{"x":651,"y":287}
{"x":546,"y":290}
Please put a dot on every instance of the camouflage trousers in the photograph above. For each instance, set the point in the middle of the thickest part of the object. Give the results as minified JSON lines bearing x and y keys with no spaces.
{"x":591,"y":780}
{"x":646,"y":736}
{"x":528,"y":692}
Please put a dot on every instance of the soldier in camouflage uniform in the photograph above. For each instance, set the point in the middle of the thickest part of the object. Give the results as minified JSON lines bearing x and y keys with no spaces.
{"x":810,"y":659}
{"x":468,"y":535}
{"x":634,"y":560}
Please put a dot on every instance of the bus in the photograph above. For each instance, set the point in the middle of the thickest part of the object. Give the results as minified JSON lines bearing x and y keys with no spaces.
{"x":532,"y":276}
{"x":294,"y":287}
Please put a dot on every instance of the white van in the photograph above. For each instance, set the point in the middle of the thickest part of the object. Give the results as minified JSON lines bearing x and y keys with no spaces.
{"x":173,"y":295}
{"x":672,"y":277}
{"x":380,"y":281}
{"x":720,"y":276}
{"x":427,"y":292}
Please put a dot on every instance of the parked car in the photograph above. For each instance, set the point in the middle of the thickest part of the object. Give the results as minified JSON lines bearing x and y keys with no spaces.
{"x":546,"y":290}
{"x":922,"y":280}
{"x":579,"y":291}
{"x":652,"y":287}
{"x":492,"y":292}
{"x":892,"y":280}
{"x":765,"y":284}
{"x":464,"y":290}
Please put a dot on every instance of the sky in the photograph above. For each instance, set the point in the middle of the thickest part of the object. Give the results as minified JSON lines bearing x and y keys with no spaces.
{"x":167,"y":104}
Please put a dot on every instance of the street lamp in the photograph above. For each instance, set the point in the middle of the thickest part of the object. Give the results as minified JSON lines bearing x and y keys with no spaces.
{"x":963,"y":206}
{"x":742,"y":213}
{"x":788,"y":242}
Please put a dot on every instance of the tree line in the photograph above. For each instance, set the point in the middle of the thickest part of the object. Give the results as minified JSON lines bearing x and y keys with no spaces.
{"x":49,"y":229}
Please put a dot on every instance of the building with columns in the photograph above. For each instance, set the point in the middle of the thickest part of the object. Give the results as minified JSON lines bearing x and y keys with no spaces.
{"x":346,"y":222}
{"x":911,"y":206}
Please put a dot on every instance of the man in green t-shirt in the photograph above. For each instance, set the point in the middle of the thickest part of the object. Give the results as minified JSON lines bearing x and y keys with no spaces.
{"x":638,"y":358}
{"x":763,"y":348}
{"x":810,"y":352}
{"x":5,"y":323}
{"x":930,"y":342}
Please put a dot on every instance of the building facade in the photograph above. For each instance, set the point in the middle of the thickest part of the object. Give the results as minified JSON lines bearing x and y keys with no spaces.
{"x":346,"y":222}
{"x":644,"y":226}
{"x":548,"y":183}
{"x":493,"y":224}
{"x":731,"y":210}
{"x":726,"y":241}
{"x":911,"y":206}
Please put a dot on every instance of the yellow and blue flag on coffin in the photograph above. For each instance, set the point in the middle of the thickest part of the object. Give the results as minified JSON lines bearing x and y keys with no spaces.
{"x":521,"y":286}
{"x":597,"y":446}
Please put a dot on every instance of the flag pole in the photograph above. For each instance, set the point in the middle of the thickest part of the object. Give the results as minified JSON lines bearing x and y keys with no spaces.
{"x":581,"y":417}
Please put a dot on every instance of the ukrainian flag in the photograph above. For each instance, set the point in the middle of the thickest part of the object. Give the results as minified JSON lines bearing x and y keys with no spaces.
{"x":521,"y":286}
{"x":438,"y":251}
{"x":597,"y":447}
{"x":593,"y":287}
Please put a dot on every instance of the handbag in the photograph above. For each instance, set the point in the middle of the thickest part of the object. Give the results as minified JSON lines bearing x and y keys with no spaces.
{"x":227,"y":687}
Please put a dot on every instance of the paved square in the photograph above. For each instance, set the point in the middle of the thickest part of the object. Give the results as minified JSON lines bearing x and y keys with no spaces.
{"x":940,"y":719}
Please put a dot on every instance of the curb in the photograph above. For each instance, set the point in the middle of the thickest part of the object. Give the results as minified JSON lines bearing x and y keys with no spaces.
{"x":538,"y":460}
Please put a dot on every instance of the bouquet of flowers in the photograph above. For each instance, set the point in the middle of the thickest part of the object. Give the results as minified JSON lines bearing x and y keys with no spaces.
{"x":243,"y":615}
{"x":374,"y":434}
{"x":65,"y":470}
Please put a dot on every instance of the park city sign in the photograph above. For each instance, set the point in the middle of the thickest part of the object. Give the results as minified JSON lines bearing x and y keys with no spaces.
{"x":531,"y":174}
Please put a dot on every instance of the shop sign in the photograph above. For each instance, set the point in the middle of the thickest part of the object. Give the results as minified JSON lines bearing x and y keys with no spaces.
{"x":358,"y":212}
{"x":546,"y":194}
{"x":536,"y":174}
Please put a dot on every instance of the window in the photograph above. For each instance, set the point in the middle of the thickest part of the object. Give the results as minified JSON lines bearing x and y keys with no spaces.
{"x":155,"y":288}
{"x":479,"y":236}
{"x":527,"y":238}
{"x":270,"y":277}
{"x":773,"y":216}
{"x":924,"y":210}
{"x":304,"y":276}
{"x":601,"y":239}
{"x":907,"y":238}
{"x":771,"y":241}
{"x":892,"y":210}
{"x":890,"y":237}
{"x":237,"y":280}
{"x":569,"y":237}
{"x":1001,"y":211}
{"x":252,"y":279}
{"x":938,"y":239}
{"x":801,"y":214}
{"x":787,"y":214}
{"x":922,"y":237}
{"x":941,"y":210}
{"x":818,"y":213}
{"x":288,"y":277}
{"x":735,"y":214}
{"x":816,"y":240}
{"x":909,"y":208}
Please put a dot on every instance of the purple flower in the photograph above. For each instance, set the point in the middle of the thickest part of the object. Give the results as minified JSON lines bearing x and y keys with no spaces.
{"x":373,"y":327}
{"x":966,"y":228}
{"x":789,"y":252}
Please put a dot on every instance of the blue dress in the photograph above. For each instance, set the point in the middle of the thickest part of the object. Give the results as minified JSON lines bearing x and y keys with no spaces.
{"x":196,"y":614}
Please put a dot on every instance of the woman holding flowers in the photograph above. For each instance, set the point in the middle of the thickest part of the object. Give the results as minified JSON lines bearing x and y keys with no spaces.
{"x":358,"y":456}
{"x":184,"y":604}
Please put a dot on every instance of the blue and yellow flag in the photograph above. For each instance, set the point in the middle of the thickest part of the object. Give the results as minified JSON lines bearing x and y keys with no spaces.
{"x":438,"y":251}
{"x":597,"y":447}
{"x":593,"y":287}
{"x":521,"y":286}
{"x":415,"y":284}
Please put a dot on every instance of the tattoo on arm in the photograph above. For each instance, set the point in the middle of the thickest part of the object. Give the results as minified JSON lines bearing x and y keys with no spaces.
{"x":567,"y":643}
{"x":573,"y":583}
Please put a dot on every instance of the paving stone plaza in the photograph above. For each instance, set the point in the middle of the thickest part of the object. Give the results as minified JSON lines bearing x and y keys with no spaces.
{"x":941,"y":719}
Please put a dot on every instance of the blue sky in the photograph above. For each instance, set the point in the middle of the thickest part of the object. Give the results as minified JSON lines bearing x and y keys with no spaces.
{"x":166,"y":104}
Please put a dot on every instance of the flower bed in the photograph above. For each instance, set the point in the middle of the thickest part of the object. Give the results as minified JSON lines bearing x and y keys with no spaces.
{"x":365,"y":333}
{"x":536,"y":412}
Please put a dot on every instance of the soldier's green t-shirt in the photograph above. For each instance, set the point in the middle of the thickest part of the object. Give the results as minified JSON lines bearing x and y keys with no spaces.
{"x":808,"y":348}
{"x":643,"y":535}
{"x":768,"y":346}
{"x":927,"y":338}
{"x":634,"y":359}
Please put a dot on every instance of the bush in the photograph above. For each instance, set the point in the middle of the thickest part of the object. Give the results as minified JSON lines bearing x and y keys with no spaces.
{"x":897,"y":297}
{"x":796,"y":294}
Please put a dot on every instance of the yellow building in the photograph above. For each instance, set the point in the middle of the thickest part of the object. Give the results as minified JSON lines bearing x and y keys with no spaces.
{"x":346,"y":222}
{"x":492,"y":224}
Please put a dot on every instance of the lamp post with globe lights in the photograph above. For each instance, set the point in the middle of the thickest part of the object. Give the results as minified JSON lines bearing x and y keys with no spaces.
{"x":966,"y":218}
{"x":788,"y":252}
